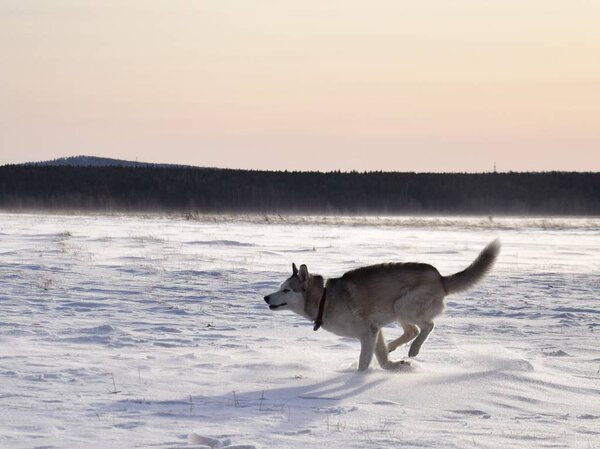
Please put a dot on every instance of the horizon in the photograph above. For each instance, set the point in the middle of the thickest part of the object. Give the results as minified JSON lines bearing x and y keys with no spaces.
{"x":178,"y":165}
{"x":338,"y":86}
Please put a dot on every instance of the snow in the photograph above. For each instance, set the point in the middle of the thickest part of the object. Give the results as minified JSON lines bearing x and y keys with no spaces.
{"x":149,"y":331}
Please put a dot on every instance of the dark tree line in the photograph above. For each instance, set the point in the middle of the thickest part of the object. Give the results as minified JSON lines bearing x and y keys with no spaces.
{"x":184,"y":189}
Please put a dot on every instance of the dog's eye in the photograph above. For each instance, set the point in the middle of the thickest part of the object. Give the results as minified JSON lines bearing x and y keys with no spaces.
{"x":286,"y":290}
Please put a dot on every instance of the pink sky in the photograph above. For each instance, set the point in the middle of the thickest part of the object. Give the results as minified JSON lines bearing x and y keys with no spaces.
{"x":311,"y":85}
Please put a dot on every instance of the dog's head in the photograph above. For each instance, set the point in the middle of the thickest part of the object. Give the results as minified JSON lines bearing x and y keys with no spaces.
{"x":291,"y":293}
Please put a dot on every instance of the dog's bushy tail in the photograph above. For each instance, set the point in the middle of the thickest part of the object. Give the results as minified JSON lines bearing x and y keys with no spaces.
{"x":475,"y":272}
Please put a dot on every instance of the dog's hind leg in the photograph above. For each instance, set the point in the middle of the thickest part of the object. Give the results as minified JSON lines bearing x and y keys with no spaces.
{"x":381,"y":352}
{"x":420,"y":307}
{"x":410,"y":332}
{"x":415,"y":347}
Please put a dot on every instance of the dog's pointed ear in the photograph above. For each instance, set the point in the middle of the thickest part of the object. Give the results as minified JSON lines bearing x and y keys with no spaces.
{"x":294,"y":269}
{"x":303,"y":273}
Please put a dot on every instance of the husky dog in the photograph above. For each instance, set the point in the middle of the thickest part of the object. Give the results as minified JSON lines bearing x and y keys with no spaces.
{"x":362,"y":301}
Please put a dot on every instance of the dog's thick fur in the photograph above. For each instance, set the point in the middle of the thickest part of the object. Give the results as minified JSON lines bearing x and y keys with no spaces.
{"x":362,"y":301}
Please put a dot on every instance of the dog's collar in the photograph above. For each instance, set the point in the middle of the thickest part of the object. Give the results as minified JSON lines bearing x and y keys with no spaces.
{"x":319,"y":319}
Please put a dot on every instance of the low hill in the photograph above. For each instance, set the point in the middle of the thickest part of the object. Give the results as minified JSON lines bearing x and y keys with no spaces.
{"x":95,"y":161}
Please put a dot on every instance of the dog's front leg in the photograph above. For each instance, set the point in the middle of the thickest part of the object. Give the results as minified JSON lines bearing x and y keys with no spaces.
{"x":367,"y":346}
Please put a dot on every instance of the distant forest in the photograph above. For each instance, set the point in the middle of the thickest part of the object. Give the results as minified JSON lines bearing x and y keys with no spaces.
{"x":206,"y":190}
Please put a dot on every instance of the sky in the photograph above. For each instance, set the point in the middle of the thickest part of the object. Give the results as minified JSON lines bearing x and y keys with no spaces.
{"x":433,"y":85}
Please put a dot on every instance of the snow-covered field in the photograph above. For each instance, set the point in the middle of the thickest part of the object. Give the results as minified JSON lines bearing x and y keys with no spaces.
{"x":152,"y":332}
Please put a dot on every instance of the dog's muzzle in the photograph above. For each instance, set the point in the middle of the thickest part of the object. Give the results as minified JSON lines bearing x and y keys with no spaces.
{"x":273,"y":306}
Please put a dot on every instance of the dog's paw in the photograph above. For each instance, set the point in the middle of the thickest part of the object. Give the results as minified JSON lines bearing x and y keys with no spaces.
{"x":414,"y":351}
{"x":400,"y":365}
